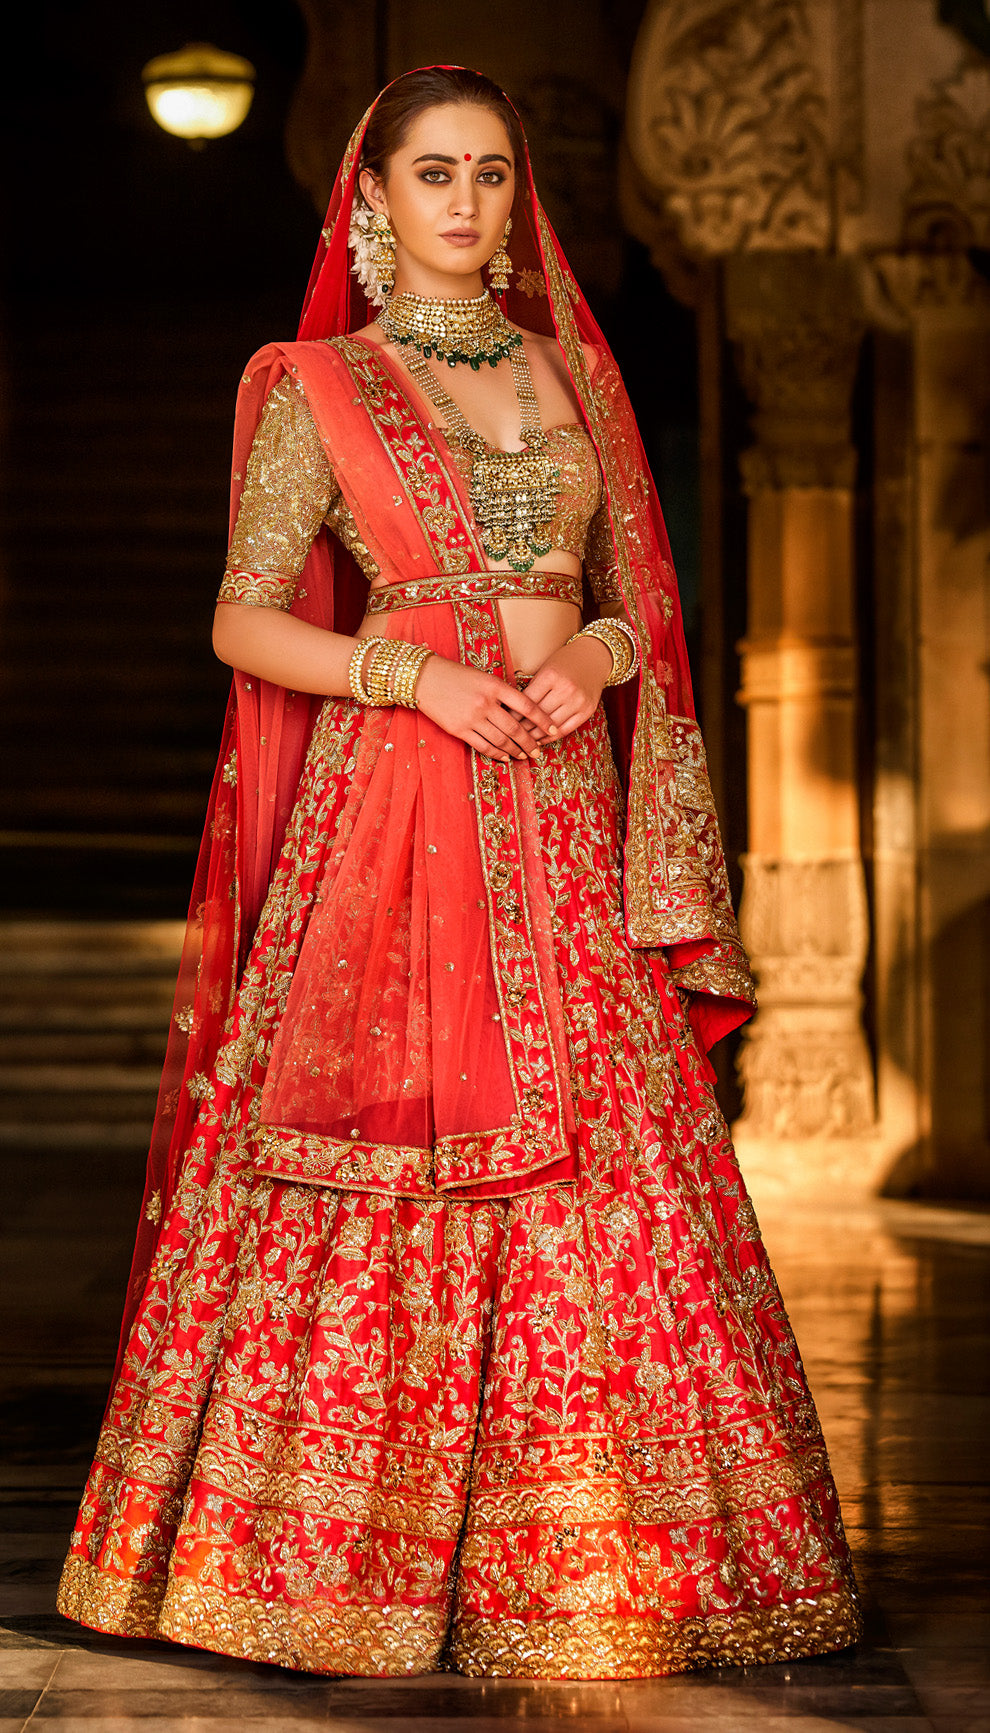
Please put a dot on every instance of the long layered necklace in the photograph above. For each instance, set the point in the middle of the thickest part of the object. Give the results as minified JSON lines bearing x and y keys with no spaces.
{"x":514,"y":494}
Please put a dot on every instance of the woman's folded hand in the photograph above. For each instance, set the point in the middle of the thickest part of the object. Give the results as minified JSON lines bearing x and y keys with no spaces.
{"x":568,"y":685}
{"x":483,"y":710}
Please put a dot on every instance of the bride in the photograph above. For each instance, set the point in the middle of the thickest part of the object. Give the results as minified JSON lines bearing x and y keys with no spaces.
{"x":450,"y":1339}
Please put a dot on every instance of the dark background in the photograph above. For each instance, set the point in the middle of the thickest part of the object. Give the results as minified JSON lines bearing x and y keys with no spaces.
{"x":139,"y":277}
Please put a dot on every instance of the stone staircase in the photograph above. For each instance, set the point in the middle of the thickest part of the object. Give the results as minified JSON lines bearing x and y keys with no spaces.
{"x":84,"y":1012}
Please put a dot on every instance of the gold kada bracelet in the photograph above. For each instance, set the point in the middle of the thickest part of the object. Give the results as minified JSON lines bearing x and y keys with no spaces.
{"x":393,"y":670}
{"x":621,"y":640}
{"x":408,"y":672}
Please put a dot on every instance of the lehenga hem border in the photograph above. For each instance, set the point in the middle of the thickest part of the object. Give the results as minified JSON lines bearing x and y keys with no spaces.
{"x":402,"y":1641}
{"x":617,"y":1646}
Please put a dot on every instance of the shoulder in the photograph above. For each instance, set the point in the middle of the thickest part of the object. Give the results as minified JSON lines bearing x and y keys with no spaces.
{"x":275,"y":395}
{"x":372,"y":333}
{"x":292,"y":357}
{"x":549,"y":351}
{"x":273,"y":381}
{"x":291,"y":372}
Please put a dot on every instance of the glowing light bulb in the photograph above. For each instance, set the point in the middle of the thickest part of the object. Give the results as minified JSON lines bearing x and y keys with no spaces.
{"x":199,"y":92}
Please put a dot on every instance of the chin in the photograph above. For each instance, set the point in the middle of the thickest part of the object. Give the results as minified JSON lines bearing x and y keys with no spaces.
{"x":461,"y":266}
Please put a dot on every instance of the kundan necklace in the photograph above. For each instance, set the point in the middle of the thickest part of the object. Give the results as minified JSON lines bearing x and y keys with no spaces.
{"x":471,"y":331}
{"x":513,"y":493}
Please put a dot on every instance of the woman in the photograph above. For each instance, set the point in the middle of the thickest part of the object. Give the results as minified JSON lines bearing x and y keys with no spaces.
{"x":451,"y":1339}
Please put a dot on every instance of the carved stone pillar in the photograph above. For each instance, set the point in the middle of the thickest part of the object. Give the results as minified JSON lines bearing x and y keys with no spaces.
{"x":825,"y":161}
{"x":806,"y":1069}
{"x":931,"y":817}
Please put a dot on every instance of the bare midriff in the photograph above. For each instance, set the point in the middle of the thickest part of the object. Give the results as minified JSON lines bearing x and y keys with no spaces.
{"x":533,"y":626}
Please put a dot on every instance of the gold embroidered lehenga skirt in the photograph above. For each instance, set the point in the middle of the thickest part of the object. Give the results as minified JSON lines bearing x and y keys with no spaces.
{"x":366,"y":1425}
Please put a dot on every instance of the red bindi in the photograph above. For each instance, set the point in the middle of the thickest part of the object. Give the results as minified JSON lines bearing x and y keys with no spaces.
{"x":467,"y":156}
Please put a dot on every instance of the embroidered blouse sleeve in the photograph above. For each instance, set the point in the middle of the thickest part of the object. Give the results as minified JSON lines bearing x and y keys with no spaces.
{"x":599,"y":558}
{"x":289,"y":488}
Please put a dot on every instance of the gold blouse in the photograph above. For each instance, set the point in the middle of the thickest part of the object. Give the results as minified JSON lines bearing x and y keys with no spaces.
{"x":290,"y":490}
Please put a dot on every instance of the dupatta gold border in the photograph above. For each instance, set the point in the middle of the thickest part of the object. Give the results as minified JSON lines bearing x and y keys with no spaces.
{"x":540,"y":1134}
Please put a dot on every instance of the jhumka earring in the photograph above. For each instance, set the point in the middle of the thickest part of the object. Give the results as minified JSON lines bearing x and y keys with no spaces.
{"x":500,"y":265}
{"x":383,"y":257}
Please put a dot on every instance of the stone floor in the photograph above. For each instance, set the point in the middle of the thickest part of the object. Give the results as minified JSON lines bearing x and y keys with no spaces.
{"x":890,"y":1305}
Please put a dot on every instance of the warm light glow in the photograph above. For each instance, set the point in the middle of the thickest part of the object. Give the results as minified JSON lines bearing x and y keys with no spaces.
{"x":199,"y":92}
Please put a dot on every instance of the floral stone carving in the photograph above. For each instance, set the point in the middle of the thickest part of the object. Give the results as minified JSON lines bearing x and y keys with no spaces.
{"x":727,"y":120}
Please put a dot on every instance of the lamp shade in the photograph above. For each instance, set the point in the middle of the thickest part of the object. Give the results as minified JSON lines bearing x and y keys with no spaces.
{"x":199,"y":92}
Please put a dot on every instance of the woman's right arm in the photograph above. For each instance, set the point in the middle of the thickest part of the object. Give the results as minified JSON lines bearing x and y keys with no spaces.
{"x":278,"y":647}
{"x":289,"y":487}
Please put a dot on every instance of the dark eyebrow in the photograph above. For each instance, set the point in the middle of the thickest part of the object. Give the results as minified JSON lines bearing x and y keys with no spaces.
{"x":435,"y":156}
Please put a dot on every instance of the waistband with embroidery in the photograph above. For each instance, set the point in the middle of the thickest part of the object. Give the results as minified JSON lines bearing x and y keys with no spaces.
{"x":473,"y":586}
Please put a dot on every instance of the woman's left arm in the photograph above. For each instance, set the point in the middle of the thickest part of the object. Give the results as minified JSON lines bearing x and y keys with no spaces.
{"x":568,"y":685}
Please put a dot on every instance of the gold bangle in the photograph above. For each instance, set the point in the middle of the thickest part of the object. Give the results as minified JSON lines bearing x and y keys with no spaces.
{"x":632,"y":646}
{"x":406,"y":673}
{"x":414,"y":684}
{"x":393,"y":672}
{"x":400,"y":679}
{"x":386,"y":656}
{"x":358,"y":690}
{"x":620,"y":640}
{"x":407,"y":676}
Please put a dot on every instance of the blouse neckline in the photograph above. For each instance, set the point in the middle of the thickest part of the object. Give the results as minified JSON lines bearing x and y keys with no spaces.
{"x":378,"y":349}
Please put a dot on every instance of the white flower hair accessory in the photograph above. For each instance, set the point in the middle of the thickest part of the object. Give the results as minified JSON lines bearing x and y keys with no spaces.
{"x":361,"y":239}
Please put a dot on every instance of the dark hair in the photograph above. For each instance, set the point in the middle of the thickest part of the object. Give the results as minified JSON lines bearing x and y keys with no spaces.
{"x":415,"y":92}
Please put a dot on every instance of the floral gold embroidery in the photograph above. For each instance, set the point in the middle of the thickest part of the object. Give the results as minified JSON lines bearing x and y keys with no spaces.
{"x":532,"y":285}
{"x":290,"y":490}
{"x":258,"y":589}
{"x":473,"y":586}
{"x":378,"y":1434}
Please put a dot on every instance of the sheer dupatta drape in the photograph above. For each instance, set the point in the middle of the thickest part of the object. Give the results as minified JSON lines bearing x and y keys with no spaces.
{"x":676,"y":895}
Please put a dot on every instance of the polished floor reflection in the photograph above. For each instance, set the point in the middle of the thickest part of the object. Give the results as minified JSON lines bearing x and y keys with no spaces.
{"x":890,"y":1306}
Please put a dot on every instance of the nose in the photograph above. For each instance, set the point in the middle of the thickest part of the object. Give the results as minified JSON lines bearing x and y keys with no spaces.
{"x":464,"y":197}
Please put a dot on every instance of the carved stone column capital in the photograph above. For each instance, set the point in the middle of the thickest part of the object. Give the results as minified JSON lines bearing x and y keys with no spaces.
{"x":906,"y":283}
{"x":797,"y":325}
{"x":727,"y":121}
{"x":946,"y":203}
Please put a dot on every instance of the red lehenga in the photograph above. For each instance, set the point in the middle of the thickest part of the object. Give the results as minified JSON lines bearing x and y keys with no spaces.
{"x":451,"y":1340}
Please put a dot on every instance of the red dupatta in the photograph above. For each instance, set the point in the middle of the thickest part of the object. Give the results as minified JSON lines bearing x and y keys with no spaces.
{"x":676,"y":892}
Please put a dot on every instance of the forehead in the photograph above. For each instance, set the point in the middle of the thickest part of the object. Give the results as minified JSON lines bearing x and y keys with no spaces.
{"x":454,"y":129}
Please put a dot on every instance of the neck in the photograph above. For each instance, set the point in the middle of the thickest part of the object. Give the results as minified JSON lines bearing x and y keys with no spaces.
{"x":438,"y":285}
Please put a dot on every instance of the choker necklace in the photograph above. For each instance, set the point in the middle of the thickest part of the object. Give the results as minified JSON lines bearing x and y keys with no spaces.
{"x":453,"y":331}
{"x":514,"y":494}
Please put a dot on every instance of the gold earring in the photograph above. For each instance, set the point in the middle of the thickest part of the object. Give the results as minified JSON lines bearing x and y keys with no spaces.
{"x":383,"y":257}
{"x":500,"y":265}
